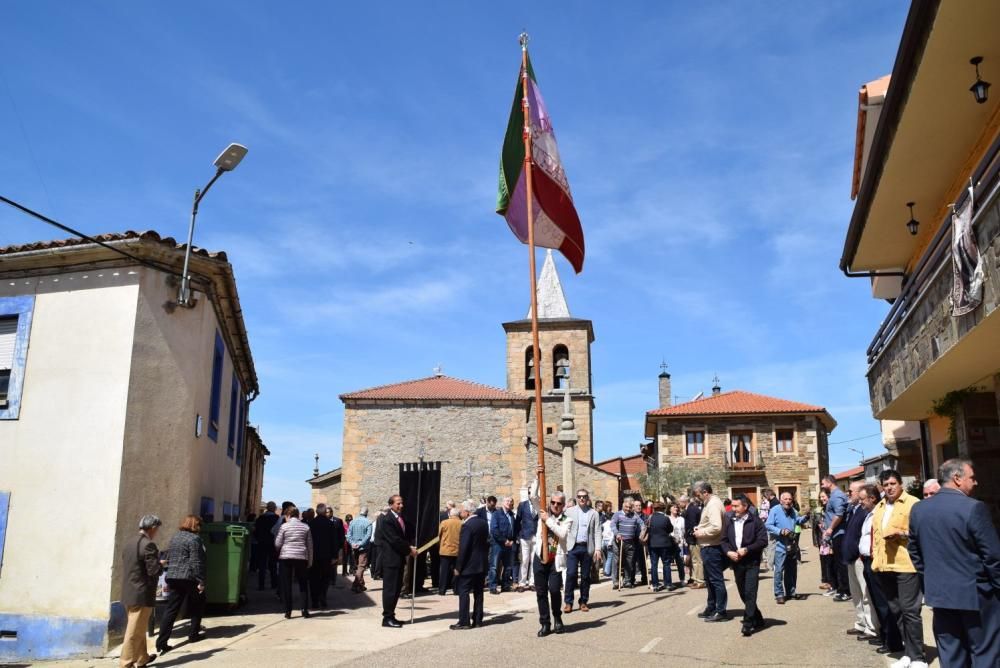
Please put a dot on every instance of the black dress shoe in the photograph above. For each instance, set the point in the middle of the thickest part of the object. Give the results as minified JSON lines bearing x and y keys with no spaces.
{"x":706,"y":613}
{"x":718,"y":617}
{"x":874,"y":641}
{"x":557,"y":627}
{"x":460,"y":627}
{"x":883,"y":650}
{"x":659,"y":587}
{"x":288,"y":615}
{"x":406,"y":596}
{"x":746,"y":631}
{"x":392,"y":623}
{"x":305,"y":613}
{"x":163,"y":649}
{"x":544,"y":631}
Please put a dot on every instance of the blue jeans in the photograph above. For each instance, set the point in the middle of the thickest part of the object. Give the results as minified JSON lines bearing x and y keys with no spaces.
{"x":609,"y":560}
{"x":501,"y":556}
{"x":711,"y":558}
{"x":656,"y":554}
{"x":580,"y":558}
{"x":786,"y":573}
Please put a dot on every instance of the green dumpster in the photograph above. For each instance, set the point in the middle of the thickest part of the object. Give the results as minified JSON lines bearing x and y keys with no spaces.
{"x":228,"y":548}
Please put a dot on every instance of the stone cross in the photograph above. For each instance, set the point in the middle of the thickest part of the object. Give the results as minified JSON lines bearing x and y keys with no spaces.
{"x":469,"y":475}
{"x":568,"y":438}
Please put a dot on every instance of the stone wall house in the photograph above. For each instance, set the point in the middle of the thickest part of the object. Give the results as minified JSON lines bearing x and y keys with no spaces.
{"x":755,"y":440}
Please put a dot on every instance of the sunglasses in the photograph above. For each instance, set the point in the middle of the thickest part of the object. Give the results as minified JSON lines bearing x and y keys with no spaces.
{"x":558,"y":503}
{"x":582,"y":496}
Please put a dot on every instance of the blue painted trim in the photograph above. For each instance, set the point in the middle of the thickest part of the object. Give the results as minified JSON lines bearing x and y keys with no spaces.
{"x":4,"y":507}
{"x":234,"y":396}
{"x":213,"y":408}
{"x":45,"y":637}
{"x":23,"y":307}
{"x":241,"y":427}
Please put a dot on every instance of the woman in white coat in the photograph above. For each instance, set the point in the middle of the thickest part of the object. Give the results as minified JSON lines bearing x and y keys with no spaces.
{"x":548,"y":573}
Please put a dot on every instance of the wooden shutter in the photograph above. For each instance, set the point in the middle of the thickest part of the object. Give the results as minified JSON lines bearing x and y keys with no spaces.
{"x":8,"y":335}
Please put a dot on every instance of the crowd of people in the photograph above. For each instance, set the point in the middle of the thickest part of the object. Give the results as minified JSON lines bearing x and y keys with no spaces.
{"x":885,"y":551}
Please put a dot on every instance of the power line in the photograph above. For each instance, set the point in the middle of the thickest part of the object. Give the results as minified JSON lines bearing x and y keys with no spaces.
{"x":859,"y":438}
{"x":65,"y":228}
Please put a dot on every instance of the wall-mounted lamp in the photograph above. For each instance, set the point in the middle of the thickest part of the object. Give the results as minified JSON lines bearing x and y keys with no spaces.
{"x":980,"y":89}
{"x":913,"y":225}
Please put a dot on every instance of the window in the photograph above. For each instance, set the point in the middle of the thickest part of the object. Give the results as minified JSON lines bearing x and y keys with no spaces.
{"x":207,"y":509}
{"x":234,"y":394}
{"x":15,"y":326}
{"x":784,"y":440}
{"x":560,"y":366}
{"x":241,"y":429}
{"x":213,"y":409}
{"x":695,"y":444}
{"x":4,"y":506}
{"x":741,"y":448}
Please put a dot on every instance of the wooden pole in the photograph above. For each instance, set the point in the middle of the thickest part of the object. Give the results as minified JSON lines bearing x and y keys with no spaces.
{"x":535,"y":352}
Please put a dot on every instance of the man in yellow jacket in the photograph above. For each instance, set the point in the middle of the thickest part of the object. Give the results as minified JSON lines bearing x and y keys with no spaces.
{"x":895,"y":572}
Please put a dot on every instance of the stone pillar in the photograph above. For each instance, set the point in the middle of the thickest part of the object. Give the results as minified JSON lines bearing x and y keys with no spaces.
{"x":568,"y":438}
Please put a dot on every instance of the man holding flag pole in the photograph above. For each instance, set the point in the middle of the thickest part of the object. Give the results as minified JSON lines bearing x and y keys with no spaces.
{"x":535,"y":199}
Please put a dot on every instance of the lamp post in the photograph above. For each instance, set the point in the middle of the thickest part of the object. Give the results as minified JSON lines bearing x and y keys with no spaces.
{"x":226,"y":162}
{"x":860,"y":452}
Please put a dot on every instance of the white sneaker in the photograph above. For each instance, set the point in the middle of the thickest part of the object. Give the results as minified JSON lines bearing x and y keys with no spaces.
{"x":903,"y":663}
{"x":833,"y":592}
{"x":918,"y":664}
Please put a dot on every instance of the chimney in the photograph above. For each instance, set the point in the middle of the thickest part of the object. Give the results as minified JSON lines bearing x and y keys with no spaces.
{"x":665,"y":397}
{"x":715,"y":386}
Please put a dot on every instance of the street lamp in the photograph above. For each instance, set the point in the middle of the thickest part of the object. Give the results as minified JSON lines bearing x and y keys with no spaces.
{"x":226,"y":162}
{"x":860,"y":452}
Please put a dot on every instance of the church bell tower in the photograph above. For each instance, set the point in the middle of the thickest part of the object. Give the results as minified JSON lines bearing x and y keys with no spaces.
{"x":565,"y":362}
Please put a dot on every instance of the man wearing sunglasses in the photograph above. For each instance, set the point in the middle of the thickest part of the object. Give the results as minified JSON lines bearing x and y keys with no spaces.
{"x":548,"y":573}
{"x":586,"y":548}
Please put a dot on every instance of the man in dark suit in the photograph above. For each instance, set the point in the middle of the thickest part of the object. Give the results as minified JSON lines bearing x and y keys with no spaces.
{"x":471,"y":567}
{"x":865,"y":620}
{"x":743,"y":541}
{"x":393,"y":550}
{"x":954,"y":546}
{"x":502,"y":554}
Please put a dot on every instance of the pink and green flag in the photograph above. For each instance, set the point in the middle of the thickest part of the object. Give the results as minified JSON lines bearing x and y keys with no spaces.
{"x":557,"y":224}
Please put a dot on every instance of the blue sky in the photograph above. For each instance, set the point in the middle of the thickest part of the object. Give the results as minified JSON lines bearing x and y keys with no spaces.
{"x":709,"y":147}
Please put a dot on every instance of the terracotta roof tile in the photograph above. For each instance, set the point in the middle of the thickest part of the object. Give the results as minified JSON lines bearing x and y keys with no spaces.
{"x":739,"y":402}
{"x":849,"y":473}
{"x":148,"y":235}
{"x":436,"y":388}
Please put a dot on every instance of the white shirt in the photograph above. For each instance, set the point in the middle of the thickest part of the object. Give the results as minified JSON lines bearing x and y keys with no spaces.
{"x":887,"y":516}
{"x":738,"y":523}
{"x":678,"y":529}
{"x":865,"y":544}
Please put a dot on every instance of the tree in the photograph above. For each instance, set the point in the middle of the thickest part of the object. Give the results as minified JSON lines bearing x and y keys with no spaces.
{"x":675,"y":479}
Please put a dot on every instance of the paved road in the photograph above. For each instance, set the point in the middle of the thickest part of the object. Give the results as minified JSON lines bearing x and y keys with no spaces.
{"x":632,"y":627}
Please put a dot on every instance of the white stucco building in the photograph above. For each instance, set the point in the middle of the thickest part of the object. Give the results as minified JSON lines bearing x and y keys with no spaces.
{"x":114,"y":402}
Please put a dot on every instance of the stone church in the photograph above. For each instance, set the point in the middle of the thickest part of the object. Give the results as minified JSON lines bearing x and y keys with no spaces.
{"x":484,"y":436}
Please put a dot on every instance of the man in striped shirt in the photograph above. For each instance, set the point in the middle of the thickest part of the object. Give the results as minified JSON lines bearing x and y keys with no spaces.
{"x":626,"y":526}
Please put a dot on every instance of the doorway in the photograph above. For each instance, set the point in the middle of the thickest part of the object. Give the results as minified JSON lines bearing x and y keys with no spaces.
{"x":751,"y":493}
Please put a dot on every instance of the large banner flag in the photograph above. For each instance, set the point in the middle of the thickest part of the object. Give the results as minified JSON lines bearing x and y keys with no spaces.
{"x":557,"y":224}
{"x":967,"y":264}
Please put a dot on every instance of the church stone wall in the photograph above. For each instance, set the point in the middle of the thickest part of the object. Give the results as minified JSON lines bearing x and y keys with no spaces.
{"x":377,"y":437}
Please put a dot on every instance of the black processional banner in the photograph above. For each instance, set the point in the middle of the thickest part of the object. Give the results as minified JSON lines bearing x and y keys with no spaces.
{"x":423,"y":503}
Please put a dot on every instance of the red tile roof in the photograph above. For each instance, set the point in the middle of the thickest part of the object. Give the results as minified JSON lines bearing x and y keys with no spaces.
{"x":849,"y":473}
{"x":148,"y":235}
{"x":436,"y":388}
{"x":739,"y":402}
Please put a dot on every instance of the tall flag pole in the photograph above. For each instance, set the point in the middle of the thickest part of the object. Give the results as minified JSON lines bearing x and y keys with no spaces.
{"x":535,"y":351}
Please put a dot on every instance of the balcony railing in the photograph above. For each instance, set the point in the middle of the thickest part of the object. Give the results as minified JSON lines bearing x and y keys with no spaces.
{"x":920,"y":327}
{"x":755,"y":463}
{"x":938,"y":254}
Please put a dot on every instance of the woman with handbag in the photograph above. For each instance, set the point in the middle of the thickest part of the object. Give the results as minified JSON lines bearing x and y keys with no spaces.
{"x":185,"y":581}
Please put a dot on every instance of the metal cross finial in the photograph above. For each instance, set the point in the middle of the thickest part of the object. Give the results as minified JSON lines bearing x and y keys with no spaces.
{"x":316,"y":467}
{"x":663,"y":366}
{"x":438,"y":371}
{"x":523,"y":40}
{"x":716,"y":379}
